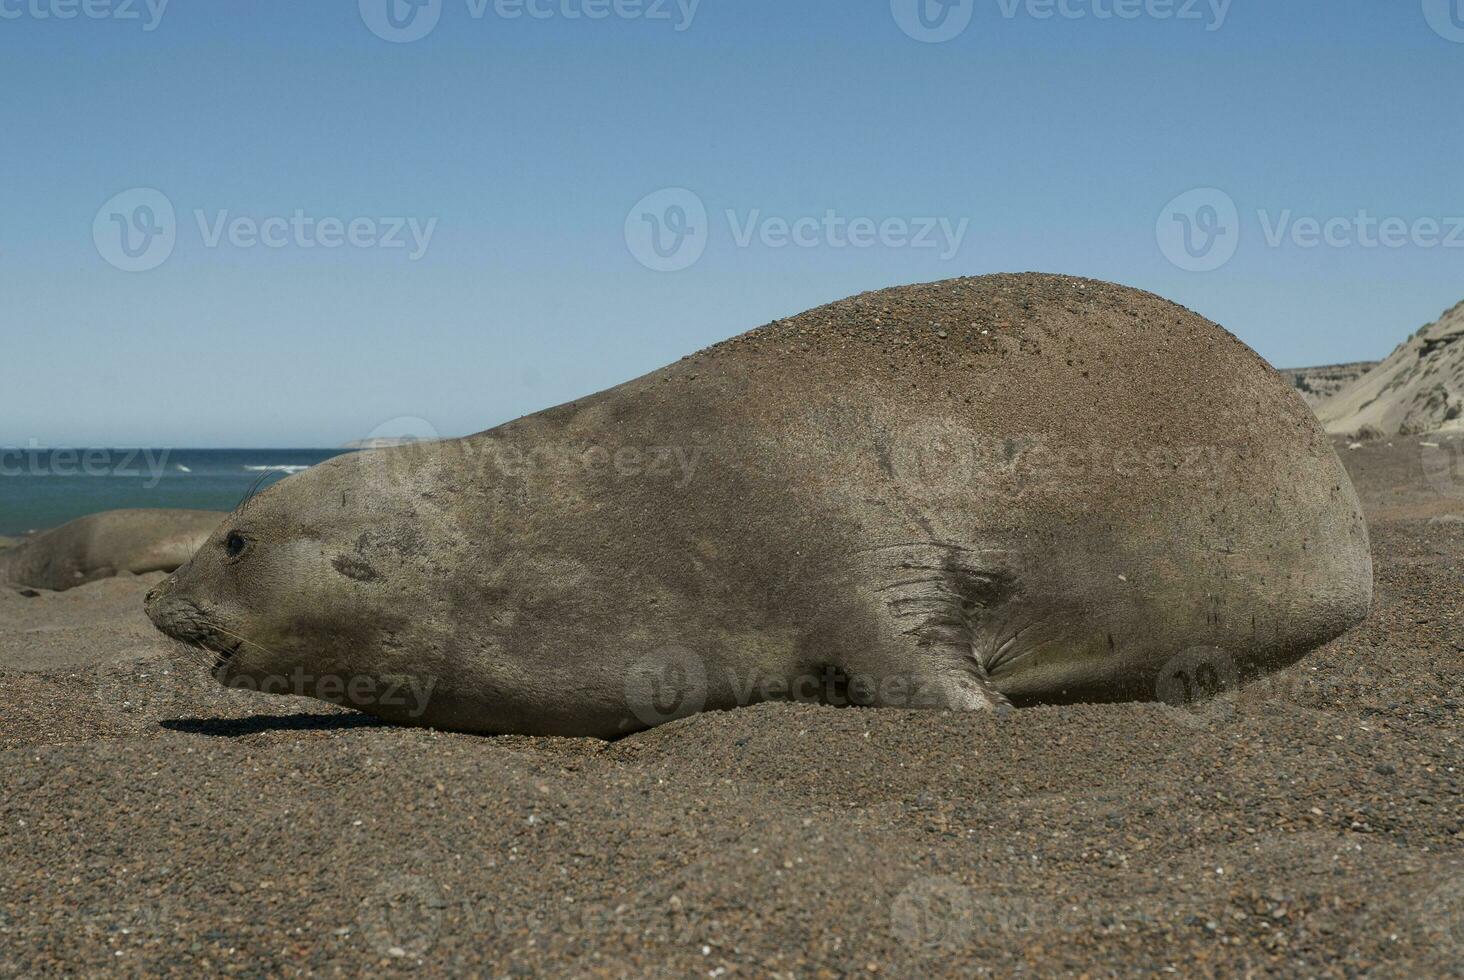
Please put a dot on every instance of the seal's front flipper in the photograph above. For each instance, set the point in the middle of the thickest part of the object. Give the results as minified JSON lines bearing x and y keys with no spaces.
{"x":953,"y":688}
{"x":934,"y":597}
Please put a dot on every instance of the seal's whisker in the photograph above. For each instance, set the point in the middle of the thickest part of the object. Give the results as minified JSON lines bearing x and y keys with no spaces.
{"x":243,"y":639}
{"x":237,"y":655}
{"x":191,"y":652}
{"x":213,"y":659}
{"x":253,"y":490}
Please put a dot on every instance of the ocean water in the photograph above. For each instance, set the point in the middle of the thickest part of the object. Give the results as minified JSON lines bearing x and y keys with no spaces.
{"x":43,"y":488}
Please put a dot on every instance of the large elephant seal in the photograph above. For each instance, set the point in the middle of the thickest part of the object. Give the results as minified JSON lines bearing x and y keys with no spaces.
{"x":1022,"y":487}
{"x":106,"y":544}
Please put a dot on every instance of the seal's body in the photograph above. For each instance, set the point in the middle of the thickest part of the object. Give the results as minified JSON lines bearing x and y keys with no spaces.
{"x":102,"y":545}
{"x":1030,"y":487}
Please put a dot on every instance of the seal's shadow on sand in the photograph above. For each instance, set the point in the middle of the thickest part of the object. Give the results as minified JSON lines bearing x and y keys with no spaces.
{"x":259,"y":724}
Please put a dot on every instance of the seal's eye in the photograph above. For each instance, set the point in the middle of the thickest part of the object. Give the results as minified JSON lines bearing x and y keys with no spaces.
{"x":234,"y":544}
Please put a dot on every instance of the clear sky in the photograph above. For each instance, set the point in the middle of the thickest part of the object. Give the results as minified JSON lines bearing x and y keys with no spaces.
{"x":521,"y":147}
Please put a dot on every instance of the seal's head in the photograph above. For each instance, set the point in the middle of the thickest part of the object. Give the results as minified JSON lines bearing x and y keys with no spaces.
{"x":297,"y":592}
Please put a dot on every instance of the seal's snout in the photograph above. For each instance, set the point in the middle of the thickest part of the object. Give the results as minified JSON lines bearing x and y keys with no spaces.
{"x":152,"y":601}
{"x":170,"y":613}
{"x":180,"y":619}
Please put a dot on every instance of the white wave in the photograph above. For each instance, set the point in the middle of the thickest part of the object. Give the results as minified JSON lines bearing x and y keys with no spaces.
{"x":281,"y":468}
{"x":182,"y":468}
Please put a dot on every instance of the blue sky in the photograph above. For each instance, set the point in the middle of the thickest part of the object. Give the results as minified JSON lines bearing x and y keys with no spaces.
{"x":524,"y":144}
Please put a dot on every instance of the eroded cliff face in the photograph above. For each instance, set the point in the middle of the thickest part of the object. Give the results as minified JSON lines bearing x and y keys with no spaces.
{"x":1317,"y":384}
{"x":1418,"y":388}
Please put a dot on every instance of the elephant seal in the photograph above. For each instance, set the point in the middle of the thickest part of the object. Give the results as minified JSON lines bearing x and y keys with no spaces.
{"x":106,"y":544}
{"x":1013,"y":488}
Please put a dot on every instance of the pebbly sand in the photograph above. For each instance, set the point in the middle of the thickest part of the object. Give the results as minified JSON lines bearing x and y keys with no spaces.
{"x":151,"y":822}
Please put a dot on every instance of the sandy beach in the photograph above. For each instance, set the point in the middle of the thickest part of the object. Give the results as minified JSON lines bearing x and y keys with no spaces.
{"x":155,"y":823}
